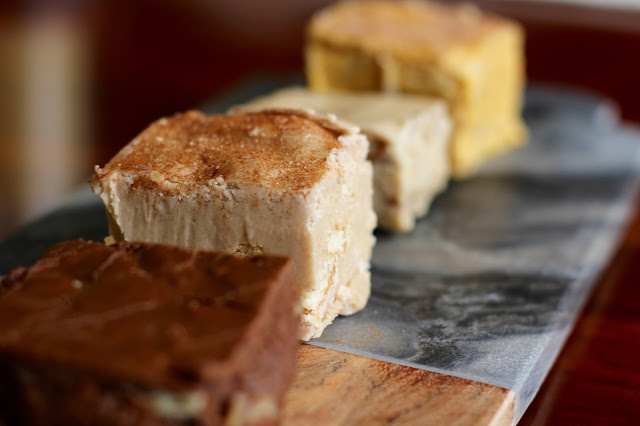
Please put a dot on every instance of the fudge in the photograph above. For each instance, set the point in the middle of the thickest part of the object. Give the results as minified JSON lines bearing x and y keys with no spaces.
{"x":280,"y":182}
{"x":409,"y":145}
{"x":473,"y":60}
{"x":138,"y":333}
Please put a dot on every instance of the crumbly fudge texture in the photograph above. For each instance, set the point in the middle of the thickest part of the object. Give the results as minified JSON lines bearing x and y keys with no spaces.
{"x":409,"y":144}
{"x":279,"y":181}
{"x":473,"y":60}
{"x":139,"y":333}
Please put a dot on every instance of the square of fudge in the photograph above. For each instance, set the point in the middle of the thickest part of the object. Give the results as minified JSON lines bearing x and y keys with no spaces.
{"x":280,"y":182}
{"x":409,"y":144}
{"x":473,"y":60}
{"x":138,"y":333}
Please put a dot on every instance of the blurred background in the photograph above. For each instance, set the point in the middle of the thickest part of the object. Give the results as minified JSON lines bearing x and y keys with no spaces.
{"x":79,"y":79}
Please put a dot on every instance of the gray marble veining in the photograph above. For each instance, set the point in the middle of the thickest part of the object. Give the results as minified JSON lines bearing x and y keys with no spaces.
{"x":489,"y":284}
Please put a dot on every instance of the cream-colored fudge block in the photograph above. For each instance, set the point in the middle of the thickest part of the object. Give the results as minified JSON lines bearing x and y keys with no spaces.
{"x":409,"y":138}
{"x":278,"y":181}
{"x":473,"y":60}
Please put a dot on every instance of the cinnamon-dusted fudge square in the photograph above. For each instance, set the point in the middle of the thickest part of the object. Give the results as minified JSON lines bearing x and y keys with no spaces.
{"x":409,"y":144}
{"x":473,"y":60}
{"x":138,"y":333}
{"x":278,"y":182}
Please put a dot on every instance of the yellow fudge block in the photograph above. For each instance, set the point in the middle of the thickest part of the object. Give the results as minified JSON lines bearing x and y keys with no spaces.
{"x":473,"y":60}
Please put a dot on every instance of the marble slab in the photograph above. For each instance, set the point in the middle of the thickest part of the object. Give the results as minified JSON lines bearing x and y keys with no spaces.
{"x":490,"y":283}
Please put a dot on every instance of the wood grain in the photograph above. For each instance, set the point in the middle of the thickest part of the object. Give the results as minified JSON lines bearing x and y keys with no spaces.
{"x":380,"y":392}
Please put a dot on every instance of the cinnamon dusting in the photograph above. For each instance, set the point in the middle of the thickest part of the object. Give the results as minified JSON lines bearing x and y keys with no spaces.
{"x":277,"y":149}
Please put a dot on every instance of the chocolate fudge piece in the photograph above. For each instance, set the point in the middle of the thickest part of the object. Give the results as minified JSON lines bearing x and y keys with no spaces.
{"x":137,"y":333}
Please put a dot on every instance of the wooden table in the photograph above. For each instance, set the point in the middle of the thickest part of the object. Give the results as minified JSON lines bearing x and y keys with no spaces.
{"x":596,"y":379}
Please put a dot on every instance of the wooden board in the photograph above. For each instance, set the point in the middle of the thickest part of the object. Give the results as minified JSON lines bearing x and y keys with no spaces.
{"x":338,"y":388}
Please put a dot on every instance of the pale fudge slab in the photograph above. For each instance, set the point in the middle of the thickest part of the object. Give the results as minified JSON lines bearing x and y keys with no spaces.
{"x":278,"y":182}
{"x":146,"y":334}
{"x":409,"y":145}
{"x":473,"y":60}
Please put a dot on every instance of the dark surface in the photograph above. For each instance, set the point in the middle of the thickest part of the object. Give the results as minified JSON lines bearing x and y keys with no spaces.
{"x":68,"y":222}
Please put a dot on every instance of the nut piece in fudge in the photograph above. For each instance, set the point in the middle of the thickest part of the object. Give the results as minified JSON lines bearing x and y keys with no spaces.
{"x":281,"y":182}
{"x":409,"y":144}
{"x":138,"y":333}
{"x":473,"y":60}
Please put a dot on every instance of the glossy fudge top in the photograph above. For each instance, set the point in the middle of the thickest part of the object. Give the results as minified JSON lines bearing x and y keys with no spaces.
{"x":147,"y":313}
{"x":274,"y":149}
